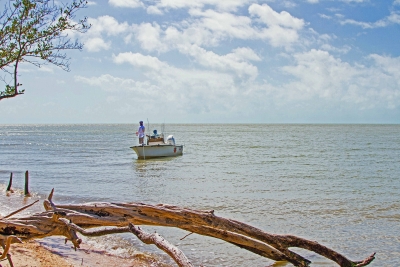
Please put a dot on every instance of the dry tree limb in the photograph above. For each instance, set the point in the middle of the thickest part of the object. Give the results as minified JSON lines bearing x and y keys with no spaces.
{"x":48,"y":204}
{"x":287,"y":241}
{"x":70,"y":233}
{"x":175,"y":253}
{"x":186,"y":236}
{"x":172,"y":216}
{"x":66,"y":220}
{"x":21,"y":209}
{"x":186,"y":219}
{"x":99,"y":231}
{"x":241,"y":241}
{"x":5,"y":242}
{"x":366,"y":261}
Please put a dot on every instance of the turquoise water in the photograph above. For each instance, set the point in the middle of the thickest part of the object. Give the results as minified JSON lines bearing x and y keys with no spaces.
{"x":335,"y":184}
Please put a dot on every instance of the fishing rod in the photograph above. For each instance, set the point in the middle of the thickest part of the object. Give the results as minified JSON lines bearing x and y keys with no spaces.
{"x":148,"y":127}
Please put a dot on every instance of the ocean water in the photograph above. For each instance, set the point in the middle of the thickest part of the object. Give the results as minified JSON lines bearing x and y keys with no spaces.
{"x":335,"y":184}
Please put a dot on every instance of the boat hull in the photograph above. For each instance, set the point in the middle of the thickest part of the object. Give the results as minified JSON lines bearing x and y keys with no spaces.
{"x":157,"y":151}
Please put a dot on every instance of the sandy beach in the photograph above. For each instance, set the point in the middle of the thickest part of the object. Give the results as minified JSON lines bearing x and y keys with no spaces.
{"x":52,"y":251}
{"x":33,"y":254}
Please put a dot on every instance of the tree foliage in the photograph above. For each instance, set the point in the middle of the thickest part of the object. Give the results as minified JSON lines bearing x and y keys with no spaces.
{"x":36,"y":32}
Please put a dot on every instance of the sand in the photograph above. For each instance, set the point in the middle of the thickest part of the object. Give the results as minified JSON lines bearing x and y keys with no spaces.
{"x":40,"y":254}
{"x":33,"y":254}
{"x":52,"y":251}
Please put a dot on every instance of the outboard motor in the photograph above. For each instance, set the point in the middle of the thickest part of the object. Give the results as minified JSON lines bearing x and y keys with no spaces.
{"x":170,"y":140}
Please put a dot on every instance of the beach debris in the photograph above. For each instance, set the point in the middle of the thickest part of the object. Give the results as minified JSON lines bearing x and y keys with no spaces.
{"x":5,"y":243}
{"x":96,"y":219}
{"x":9,"y":189}
{"x":26,"y":191}
{"x":21,"y":209}
{"x":156,"y":239}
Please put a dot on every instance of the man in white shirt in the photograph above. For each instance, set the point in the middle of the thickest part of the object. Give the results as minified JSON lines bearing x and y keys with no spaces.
{"x":141,"y":133}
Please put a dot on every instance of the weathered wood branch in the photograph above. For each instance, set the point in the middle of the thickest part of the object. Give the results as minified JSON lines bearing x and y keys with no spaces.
{"x":94,"y":219}
{"x":162,"y":244}
{"x":187,"y":219}
{"x":5,"y":243}
{"x":21,"y":209}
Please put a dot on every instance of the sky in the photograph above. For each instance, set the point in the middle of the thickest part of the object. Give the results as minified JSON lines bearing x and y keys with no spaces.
{"x":222,"y":61}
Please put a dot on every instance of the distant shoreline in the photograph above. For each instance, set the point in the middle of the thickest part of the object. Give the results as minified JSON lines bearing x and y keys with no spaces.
{"x":198,"y":123}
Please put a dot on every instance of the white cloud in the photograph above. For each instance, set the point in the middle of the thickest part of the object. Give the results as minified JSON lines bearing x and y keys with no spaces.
{"x":106,"y":24}
{"x":342,"y":50}
{"x":319,"y":74}
{"x":235,"y":61}
{"x":389,"y":65}
{"x":226,"y":5}
{"x":154,"y":10}
{"x":282,"y":27}
{"x":152,"y":38}
{"x":273,"y":18}
{"x":223,"y":24}
{"x":288,"y":4}
{"x":324,"y":16}
{"x":188,"y":41}
{"x":280,"y":37}
{"x":245,"y":53}
{"x":316,"y":71}
{"x":149,"y":37}
{"x":139,"y":60}
{"x":110,"y":83}
{"x":126,"y":3}
{"x":195,"y":91}
{"x":190,"y":90}
{"x":393,"y":18}
{"x":210,"y":28}
{"x":354,"y":1}
{"x":96,"y":44}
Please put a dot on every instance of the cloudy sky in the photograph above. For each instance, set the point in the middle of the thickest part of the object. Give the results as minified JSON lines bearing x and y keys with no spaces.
{"x":215,"y":61}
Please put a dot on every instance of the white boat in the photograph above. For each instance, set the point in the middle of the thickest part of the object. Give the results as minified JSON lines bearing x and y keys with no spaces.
{"x":156,"y":147}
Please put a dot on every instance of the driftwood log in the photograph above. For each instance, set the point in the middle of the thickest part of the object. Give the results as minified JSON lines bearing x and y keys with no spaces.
{"x":96,"y":219}
{"x":162,"y":244}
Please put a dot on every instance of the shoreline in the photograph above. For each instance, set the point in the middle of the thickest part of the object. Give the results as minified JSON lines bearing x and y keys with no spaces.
{"x":52,"y":251}
{"x":33,"y":254}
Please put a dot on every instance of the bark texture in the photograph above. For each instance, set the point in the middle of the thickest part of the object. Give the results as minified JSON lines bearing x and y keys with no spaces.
{"x":95,"y":219}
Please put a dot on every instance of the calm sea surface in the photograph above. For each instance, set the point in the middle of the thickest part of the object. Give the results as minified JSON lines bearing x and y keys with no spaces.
{"x":335,"y":184}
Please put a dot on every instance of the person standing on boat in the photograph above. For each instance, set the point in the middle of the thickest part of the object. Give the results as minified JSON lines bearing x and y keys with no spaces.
{"x":141,"y":133}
